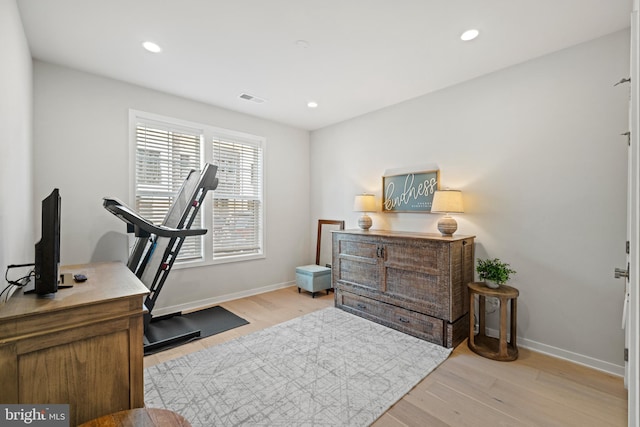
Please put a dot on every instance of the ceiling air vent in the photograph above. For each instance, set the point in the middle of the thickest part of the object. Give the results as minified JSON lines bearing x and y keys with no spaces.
{"x":252,"y":98}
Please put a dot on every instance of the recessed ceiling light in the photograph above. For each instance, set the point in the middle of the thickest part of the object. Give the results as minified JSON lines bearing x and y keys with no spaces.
{"x":469,"y":35}
{"x":152,"y":47}
{"x":312,"y":104}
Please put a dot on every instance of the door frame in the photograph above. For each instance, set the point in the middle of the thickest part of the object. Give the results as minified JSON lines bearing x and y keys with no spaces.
{"x":633,"y":230}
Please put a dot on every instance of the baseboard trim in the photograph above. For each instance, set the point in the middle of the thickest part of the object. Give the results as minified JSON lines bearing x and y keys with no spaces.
{"x":570,"y":356}
{"x":201,"y":304}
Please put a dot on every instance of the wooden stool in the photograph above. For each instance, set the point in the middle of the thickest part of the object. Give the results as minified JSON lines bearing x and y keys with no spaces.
{"x":493,"y":348}
{"x":140,"y":417}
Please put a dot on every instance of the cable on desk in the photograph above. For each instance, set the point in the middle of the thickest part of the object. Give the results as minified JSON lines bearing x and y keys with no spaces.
{"x":20,"y":283}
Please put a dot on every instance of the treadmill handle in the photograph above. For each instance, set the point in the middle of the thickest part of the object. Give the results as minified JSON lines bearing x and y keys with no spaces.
{"x":127,"y":215}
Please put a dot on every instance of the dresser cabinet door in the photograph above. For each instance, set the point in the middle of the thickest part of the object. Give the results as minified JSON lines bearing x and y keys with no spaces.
{"x":357,"y":261}
{"x":416,"y":272}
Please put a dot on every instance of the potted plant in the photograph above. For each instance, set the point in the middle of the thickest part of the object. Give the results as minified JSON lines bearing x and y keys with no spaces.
{"x":494,"y":272}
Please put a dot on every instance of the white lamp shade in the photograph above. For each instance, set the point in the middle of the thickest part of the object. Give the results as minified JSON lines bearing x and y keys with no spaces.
{"x":447,"y":201}
{"x":364,"y":203}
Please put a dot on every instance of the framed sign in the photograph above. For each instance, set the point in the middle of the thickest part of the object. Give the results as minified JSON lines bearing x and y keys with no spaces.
{"x":409,"y":192}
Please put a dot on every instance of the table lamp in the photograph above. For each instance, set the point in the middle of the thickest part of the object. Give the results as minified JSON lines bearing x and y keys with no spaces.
{"x":447,"y":201}
{"x":364,"y":203}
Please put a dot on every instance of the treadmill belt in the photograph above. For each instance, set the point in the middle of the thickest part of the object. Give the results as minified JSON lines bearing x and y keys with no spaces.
{"x":171,"y":331}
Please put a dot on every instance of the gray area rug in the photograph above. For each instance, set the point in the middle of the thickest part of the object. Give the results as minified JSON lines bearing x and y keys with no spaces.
{"x":327,"y":368}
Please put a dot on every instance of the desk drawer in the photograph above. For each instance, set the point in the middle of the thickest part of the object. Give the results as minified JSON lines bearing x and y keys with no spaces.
{"x":417,"y":324}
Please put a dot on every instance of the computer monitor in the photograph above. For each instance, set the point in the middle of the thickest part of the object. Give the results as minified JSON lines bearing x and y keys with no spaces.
{"x":47,"y":262}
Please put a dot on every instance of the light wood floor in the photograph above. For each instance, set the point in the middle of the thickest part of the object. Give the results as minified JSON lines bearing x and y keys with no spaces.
{"x":466,"y":390}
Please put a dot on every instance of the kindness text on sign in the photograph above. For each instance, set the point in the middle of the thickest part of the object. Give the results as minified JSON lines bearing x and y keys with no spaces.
{"x":411,"y":192}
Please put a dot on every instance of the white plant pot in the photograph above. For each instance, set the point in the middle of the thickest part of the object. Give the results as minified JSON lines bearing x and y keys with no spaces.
{"x":491,"y":284}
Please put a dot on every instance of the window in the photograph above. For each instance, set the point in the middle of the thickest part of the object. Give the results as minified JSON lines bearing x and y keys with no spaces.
{"x":165,"y":150}
{"x":237,"y":203}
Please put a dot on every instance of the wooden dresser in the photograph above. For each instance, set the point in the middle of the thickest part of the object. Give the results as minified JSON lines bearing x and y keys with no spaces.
{"x":82,"y":346}
{"x":413,"y":282}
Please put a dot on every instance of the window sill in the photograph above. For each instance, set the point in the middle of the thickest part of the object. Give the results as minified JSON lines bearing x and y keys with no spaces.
{"x":179,"y":265}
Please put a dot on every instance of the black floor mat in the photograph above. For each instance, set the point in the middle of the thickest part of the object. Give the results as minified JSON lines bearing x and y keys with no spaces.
{"x":170,"y":331}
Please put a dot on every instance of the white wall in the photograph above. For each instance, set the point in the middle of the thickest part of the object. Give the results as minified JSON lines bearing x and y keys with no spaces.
{"x":536,"y":150}
{"x":82,"y":146}
{"x":16,"y":146}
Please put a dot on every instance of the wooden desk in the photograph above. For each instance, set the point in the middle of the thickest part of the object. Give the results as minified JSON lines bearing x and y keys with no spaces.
{"x":81,"y":346}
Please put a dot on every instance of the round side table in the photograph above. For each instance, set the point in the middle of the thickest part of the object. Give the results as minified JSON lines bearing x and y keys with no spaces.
{"x":493,"y":348}
{"x":140,"y":417}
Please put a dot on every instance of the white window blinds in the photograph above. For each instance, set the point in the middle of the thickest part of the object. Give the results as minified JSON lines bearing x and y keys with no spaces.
{"x":164,"y":156}
{"x":237,"y":202}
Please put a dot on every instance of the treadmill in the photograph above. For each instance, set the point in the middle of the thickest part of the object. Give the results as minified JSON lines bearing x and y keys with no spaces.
{"x":156,"y":249}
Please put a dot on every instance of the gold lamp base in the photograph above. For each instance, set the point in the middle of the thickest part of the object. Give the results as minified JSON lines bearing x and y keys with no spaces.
{"x":447,"y":226}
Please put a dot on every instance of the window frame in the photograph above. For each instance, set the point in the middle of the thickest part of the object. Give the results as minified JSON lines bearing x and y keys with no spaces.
{"x":206,"y":210}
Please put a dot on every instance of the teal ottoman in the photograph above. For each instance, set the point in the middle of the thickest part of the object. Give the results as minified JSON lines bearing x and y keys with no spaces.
{"x":313,"y":278}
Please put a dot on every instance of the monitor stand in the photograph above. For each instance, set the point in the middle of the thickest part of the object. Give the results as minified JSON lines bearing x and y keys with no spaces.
{"x":66,"y":281}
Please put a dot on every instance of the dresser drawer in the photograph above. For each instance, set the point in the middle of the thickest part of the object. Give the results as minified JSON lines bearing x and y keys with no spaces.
{"x":419,"y":325}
